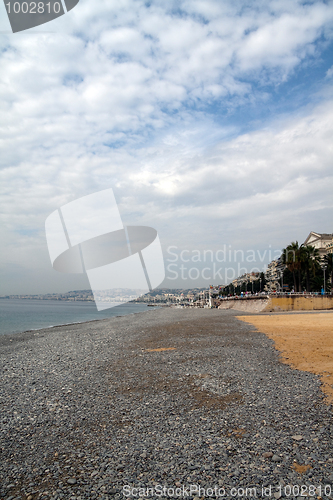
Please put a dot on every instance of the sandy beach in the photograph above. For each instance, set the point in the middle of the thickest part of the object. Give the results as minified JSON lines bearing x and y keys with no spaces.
{"x":304,"y":340}
{"x":163,"y":399}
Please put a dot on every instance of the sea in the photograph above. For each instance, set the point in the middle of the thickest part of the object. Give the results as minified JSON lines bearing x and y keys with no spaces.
{"x":21,"y":315}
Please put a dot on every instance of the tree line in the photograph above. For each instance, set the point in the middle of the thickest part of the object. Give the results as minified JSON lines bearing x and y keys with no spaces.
{"x":305,"y":269}
{"x":255,"y":286}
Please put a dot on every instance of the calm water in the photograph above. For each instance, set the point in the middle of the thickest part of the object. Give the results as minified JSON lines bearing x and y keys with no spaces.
{"x":20,"y":315}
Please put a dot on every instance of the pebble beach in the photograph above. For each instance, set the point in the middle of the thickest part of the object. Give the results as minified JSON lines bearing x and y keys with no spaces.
{"x":167,"y":403}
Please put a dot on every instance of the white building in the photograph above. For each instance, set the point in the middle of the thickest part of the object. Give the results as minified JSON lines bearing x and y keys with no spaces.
{"x":323,"y":242}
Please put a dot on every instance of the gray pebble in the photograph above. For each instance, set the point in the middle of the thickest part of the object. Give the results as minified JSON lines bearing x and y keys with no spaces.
{"x":217,"y":404}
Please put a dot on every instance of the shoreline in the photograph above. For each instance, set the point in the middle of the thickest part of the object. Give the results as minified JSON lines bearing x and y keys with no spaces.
{"x":53,"y":314}
{"x":191,"y":396}
{"x":71,"y":324}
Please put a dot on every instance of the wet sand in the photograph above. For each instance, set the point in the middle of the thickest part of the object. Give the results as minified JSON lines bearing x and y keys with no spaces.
{"x":304,"y":340}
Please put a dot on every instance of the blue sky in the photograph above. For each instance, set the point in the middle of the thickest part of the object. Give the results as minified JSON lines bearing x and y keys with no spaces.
{"x":212,"y":121}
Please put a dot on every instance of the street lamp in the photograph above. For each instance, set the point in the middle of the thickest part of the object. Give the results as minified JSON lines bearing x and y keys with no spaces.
{"x":324,"y":267}
{"x":281,"y":276}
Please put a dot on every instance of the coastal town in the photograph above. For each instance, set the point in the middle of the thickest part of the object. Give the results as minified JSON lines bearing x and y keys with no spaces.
{"x":299,"y":269}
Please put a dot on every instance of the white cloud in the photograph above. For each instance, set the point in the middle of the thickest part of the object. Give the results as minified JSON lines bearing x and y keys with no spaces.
{"x":281,"y":169}
{"x":119,"y":98}
{"x":284,"y":41}
{"x":145,"y":61}
{"x":329,"y":72}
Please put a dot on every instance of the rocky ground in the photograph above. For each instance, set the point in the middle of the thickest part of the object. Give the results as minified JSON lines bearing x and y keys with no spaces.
{"x":171,"y":400}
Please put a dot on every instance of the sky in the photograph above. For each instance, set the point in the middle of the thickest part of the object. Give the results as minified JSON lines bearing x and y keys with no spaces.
{"x":212,"y":121}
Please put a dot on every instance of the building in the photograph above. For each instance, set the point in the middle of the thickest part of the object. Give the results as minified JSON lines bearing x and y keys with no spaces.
{"x":323,"y":242}
{"x":245,"y":279}
{"x":274,"y":276}
{"x":329,"y":247}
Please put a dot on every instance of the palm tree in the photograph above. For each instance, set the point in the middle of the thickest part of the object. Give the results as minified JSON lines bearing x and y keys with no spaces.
{"x":310,"y":262}
{"x":317,"y":283}
{"x":291,"y":257}
{"x":328,"y":261}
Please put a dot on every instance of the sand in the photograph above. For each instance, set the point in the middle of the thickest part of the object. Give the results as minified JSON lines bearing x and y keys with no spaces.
{"x":304,"y":340}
